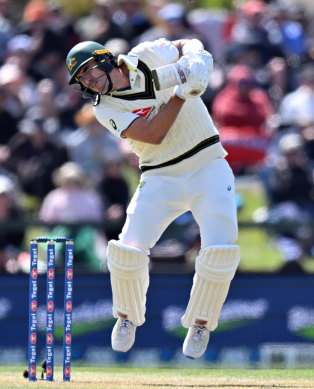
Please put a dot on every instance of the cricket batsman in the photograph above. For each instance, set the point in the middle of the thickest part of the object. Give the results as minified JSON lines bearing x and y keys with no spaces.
{"x":183,"y":169}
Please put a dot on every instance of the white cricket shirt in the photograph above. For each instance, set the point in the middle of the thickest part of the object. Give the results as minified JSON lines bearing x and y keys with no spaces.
{"x":117,"y":111}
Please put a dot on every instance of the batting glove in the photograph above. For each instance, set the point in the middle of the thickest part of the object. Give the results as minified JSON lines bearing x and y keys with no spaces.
{"x":204,"y":56}
{"x":185,"y":91}
{"x":197,"y":76}
{"x":195,"y":47}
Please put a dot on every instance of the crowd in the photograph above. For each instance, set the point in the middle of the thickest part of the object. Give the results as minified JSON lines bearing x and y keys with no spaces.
{"x":60,"y":167}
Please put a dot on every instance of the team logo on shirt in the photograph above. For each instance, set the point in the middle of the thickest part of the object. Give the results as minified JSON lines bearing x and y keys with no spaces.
{"x":143,"y":112}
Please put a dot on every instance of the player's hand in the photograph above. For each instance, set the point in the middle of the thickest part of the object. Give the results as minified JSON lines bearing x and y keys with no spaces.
{"x":185,"y":91}
{"x":197,"y":77}
{"x":204,"y":56}
{"x":193,"y":61}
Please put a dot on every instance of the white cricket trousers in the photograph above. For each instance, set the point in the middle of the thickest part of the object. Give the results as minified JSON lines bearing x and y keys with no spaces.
{"x":198,"y":184}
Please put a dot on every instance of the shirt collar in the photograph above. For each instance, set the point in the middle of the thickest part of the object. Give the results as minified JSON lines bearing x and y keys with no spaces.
{"x":131,"y":62}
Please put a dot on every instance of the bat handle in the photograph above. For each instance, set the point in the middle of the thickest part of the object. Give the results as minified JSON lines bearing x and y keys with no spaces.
{"x":168,"y":76}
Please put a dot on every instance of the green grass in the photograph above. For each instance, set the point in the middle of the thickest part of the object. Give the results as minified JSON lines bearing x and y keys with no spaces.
{"x":258,"y":252}
{"x":131,"y":378}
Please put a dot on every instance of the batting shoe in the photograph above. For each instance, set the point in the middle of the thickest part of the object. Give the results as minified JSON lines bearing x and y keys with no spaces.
{"x":123,"y":335}
{"x":196,"y":341}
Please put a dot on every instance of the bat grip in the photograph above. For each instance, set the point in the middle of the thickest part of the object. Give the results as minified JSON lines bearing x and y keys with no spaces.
{"x":168,"y":76}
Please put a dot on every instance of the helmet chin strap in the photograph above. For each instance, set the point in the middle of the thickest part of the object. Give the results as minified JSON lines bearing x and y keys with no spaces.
{"x":106,"y":62}
{"x":110,"y":84}
{"x":87,"y":91}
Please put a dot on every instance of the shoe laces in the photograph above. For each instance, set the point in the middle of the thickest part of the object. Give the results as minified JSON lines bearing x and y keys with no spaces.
{"x":125,"y":325}
{"x":198,"y":332}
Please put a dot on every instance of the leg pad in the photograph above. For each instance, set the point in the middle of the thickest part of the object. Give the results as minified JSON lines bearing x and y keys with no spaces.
{"x":214,"y":269}
{"x":129,"y":277}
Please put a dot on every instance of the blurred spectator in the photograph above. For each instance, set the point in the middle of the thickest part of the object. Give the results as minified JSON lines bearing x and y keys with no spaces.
{"x":241,"y":110}
{"x":60,"y":25}
{"x":66,"y":102}
{"x":300,"y":103}
{"x":19,"y":51}
{"x":7,"y":120}
{"x":114,"y":190}
{"x":278,"y":79}
{"x":152,"y":11}
{"x":6,"y":27}
{"x":49,"y":47}
{"x":74,"y":201}
{"x":217,"y":21}
{"x":290,"y":191}
{"x":13,"y":230}
{"x":18,"y":88}
{"x":8,"y":128}
{"x":305,"y":126}
{"x":33,"y":155}
{"x":91,"y":146}
{"x":251,"y":42}
{"x":131,"y":18}
{"x":50,"y":107}
{"x":285,"y":28}
{"x":130,"y":165}
{"x":170,"y":23}
{"x":46,"y":108}
{"x":117,"y":46}
{"x":99,"y":25}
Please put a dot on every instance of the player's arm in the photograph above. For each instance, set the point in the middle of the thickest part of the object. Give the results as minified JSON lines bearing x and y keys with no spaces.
{"x":154,"y":130}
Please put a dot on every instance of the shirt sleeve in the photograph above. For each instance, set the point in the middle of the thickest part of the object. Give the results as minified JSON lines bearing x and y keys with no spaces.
{"x":163,"y":49}
{"x":114,"y":119}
